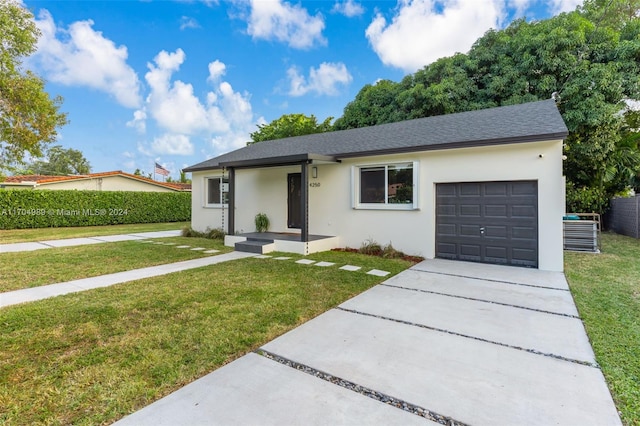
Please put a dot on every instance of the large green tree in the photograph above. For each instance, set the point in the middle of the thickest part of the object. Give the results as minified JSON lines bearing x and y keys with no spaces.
{"x":28,"y":116}
{"x":290,"y":125}
{"x":589,"y":60}
{"x":62,"y":161}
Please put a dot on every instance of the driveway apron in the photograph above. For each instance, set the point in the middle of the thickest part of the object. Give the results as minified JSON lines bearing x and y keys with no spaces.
{"x":443,"y":341}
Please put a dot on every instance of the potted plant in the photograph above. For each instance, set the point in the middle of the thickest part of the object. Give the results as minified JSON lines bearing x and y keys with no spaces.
{"x":262,"y":222}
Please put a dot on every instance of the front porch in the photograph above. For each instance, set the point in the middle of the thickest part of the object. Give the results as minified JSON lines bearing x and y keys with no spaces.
{"x":266,"y":242}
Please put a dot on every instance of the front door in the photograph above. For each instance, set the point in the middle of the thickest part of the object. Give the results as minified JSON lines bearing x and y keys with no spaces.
{"x":294,"y":200}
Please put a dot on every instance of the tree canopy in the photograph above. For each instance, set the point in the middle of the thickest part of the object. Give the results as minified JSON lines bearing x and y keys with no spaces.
{"x":61,"y":161}
{"x":290,"y":125}
{"x":28,"y":116}
{"x":588,"y":59}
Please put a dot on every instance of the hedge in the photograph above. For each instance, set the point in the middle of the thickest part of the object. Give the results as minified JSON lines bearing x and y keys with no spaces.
{"x":43,"y":209}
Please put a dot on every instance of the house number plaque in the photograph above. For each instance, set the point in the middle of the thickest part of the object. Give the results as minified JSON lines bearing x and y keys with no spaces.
{"x":314,"y":184}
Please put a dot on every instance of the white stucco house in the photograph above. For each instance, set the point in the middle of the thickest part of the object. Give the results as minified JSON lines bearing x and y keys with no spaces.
{"x":483,"y":186}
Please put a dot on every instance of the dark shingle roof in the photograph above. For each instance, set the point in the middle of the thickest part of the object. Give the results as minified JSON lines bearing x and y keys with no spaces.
{"x":530,"y":122}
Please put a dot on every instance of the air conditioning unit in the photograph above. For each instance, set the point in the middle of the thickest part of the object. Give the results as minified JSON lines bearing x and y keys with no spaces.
{"x":581,"y":235}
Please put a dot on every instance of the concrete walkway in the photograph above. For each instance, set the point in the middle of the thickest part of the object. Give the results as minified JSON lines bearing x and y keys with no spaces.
{"x":69,"y":242}
{"x":52,"y":290}
{"x":443,"y":341}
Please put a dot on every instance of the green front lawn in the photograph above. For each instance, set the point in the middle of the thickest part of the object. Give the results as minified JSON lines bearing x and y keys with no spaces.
{"x":92,"y":357}
{"x":41,"y":267}
{"x":43,"y":234}
{"x":606,"y":289}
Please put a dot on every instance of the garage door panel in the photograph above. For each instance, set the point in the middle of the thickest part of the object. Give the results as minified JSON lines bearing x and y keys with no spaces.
{"x":469,"y":231}
{"x":447,"y":249}
{"x":469,"y":190}
{"x":524,"y":188}
{"x":522,"y":232}
{"x":496,"y":232}
{"x":496,"y":211}
{"x":493,"y":222}
{"x":446,"y":210}
{"x":492,"y":189}
{"x":523,"y":211}
{"x":472,"y":210}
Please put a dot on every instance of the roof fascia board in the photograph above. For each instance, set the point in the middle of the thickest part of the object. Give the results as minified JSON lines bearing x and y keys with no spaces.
{"x":456,"y":145}
{"x":286,"y":160}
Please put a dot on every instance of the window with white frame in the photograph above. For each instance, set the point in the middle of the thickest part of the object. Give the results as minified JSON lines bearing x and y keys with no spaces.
{"x":386,"y":186}
{"x":216,"y":191}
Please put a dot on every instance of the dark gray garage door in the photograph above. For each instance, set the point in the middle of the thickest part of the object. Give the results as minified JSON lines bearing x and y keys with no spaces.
{"x":490,"y":222}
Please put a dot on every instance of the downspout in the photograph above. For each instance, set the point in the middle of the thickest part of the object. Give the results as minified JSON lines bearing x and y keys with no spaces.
{"x":222,"y":207}
{"x":232,"y":201}
{"x":304,"y":205}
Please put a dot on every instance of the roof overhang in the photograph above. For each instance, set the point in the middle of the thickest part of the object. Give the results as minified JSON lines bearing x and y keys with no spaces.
{"x":458,"y":145}
{"x":286,"y":160}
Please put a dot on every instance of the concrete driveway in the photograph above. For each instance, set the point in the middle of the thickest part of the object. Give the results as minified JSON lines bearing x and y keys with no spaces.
{"x":444,"y":341}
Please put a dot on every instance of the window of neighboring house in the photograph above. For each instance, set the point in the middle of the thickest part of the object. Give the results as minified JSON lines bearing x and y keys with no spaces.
{"x":386,"y":186}
{"x":217,"y":191}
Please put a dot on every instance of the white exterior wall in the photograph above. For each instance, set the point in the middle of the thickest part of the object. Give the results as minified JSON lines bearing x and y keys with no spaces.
{"x":203,"y":217}
{"x":412,"y":231}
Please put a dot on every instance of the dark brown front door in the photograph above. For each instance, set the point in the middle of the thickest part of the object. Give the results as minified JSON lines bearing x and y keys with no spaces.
{"x":294,"y":199}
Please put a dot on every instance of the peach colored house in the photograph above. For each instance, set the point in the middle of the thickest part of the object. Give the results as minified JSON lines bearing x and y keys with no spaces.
{"x":106,"y":181}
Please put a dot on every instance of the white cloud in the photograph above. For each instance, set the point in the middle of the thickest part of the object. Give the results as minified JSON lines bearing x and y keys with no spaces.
{"x":348,"y":8}
{"x":172,"y":144}
{"x":284,"y":22}
{"x":520,"y":6}
{"x":224,"y":117}
{"x":322,"y":80}
{"x":84,"y":57}
{"x":558,"y":6}
{"x":424,"y":30}
{"x":139,"y":121}
{"x":216,"y":70}
{"x":187,"y":22}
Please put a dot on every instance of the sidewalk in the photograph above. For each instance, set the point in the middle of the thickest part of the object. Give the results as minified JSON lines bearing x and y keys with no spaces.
{"x":52,"y":290}
{"x":70,"y":242}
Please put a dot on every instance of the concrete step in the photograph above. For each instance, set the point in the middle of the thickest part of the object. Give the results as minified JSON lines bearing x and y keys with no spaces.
{"x":259,"y":247}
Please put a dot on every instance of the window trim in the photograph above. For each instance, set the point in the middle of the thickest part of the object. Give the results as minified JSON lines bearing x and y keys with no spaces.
{"x":355,"y":187}
{"x":205,"y":194}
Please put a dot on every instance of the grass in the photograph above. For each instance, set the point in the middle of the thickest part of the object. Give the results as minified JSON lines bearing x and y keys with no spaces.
{"x":43,"y":234}
{"x":606,"y":289}
{"x":93,"y":357}
{"x":31,"y":269}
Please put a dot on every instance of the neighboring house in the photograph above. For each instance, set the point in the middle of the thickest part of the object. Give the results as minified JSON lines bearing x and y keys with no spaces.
{"x":483,"y":186}
{"x":107,"y":181}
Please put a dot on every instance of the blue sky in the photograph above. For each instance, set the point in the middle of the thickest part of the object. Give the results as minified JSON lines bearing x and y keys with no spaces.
{"x":177,"y":82}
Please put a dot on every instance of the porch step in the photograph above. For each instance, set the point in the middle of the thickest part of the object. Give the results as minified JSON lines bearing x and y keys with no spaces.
{"x":255,"y":246}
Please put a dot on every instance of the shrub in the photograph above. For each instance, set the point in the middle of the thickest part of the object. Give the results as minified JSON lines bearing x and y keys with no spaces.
{"x":370,"y":247}
{"x":262,"y":222}
{"x":212,"y":234}
{"x":21,"y":209}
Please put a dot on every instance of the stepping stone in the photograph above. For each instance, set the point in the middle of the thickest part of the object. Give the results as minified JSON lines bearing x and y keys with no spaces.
{"x":378,"y":273}
{"x":305,"y":261}
{"x":148,"y":242}
{"x":350,"y":268}
{"x":262,"y":256}
{"x":169,"y":244}
{"x":198,"y":248}
{"x":282,"y":258}
{"x":159,"y":242}
{"x":325,"y":264}
{"x":183,"y":246}
{"x":211,"y":251}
